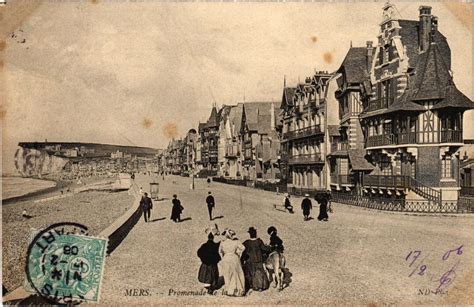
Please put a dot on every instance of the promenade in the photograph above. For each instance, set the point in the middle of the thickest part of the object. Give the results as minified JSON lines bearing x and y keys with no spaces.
{"x":359,"y":256}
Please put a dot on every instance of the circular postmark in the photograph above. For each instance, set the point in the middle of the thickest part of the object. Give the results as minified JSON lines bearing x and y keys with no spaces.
{"x":64,"y":265}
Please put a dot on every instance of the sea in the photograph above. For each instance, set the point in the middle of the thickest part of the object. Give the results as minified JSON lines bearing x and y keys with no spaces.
{"x":18,"y":186}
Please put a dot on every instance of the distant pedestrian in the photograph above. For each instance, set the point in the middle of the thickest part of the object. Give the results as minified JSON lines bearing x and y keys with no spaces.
{"x":287,"y":203}
{"x":141,"y":191}
{"x":306,"y":206}
{"x":210,"y":204}
{"x":208,"y":181}
{"x":208,"y":271}
{"x":177,"y":209}
{"x":146,"y":205}
{"x":323,"y":207}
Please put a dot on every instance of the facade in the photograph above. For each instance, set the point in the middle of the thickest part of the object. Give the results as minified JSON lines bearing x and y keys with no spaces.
{"x":260,"y":145}
{"x":347,"y":164}
{"x":303,"y":135}
{"x":230,"y":159}
{"x":209,"y":137}
{"x":413,"y":115}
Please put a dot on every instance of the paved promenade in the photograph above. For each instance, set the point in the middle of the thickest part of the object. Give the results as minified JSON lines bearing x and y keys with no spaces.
{"x":359,"y":256}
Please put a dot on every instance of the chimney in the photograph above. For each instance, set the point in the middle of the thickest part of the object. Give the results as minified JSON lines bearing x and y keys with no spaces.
{"x":370,"y":52}
{"x":424,"y":27}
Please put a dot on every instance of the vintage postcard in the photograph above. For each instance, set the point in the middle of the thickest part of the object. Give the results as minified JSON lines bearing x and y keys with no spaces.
{"x":237,"y":152}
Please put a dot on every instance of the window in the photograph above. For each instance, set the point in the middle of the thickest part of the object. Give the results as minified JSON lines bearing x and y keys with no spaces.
{"x":343,"y":167}
{"x":446,"y":167}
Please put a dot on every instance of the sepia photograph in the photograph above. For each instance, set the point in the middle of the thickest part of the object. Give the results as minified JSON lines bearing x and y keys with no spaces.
{"x":235,"y":152}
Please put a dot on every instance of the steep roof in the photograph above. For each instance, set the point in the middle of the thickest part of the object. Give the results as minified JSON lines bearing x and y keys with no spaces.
{"x":355,"y":65}
{"x":213,"y":120}
{"x":358,"y":161}
{"x":409,"y":34}
{"x":235,"y":117}
{"x":287,"y":99}
{"x":258,"y":116}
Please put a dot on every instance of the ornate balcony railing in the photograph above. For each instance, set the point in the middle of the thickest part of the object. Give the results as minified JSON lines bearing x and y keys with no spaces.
{"x":431,"y":137}
{"x":231,"y":151}
{"x":306,"y":159}
{"x":304,"y":132}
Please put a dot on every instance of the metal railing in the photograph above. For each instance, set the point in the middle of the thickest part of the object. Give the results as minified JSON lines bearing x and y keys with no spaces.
{"x":403,"y":205}
{"x":339,"y":146}
{"x":432,"y":137}
{"x":468,"y":191}
{"x":305,"y":159}
{"x":304,"y":132}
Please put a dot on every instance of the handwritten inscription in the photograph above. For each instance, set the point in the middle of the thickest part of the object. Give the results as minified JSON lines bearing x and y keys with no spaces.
{"x":443,"y":280}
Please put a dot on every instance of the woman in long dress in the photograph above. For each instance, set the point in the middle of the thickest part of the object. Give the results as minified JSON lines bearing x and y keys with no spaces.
{"x":229,"y":267}
{"x":323,"y":208}
{"x":253,"y":262}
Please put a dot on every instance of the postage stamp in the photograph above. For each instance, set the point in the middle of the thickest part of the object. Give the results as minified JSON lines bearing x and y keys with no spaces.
{"x":64,"y":266}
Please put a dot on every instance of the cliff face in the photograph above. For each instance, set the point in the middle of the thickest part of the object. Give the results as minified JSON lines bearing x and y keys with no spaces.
{"x":37,"y":163}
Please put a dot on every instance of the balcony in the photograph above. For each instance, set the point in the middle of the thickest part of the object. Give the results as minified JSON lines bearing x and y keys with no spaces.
{"x":386,"y":181}
{"x":432,"y":137}
{"x":304,"y":132}
{"x":340,"y":146}
{"x":306,"y":159}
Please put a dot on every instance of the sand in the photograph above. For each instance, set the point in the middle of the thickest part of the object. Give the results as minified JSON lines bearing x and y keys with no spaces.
{"x":96,"y":210}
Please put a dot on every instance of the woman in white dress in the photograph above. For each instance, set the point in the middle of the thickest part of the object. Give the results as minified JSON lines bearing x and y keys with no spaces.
{"x":229,"y":267}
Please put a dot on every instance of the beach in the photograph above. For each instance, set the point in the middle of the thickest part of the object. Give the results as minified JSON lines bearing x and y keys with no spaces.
{"x":13,"y":187}
{"x":96,"y":210}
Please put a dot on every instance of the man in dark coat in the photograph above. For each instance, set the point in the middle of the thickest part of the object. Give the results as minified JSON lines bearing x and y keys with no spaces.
{"x":210,"y":204}
{"x":176,"y":210}
{"x":306,"y":206}
{"x":146,"y":205}
{"x":208,"y":271}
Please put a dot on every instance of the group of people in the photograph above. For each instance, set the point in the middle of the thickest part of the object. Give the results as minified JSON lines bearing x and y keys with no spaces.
{"x":147,"y":205}
{"x":234,"y":266}
{"x":324,"y":200}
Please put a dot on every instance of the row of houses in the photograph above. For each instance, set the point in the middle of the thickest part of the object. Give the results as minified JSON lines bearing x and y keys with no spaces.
{"x":240,"y":141}
{"x":387,"y":122}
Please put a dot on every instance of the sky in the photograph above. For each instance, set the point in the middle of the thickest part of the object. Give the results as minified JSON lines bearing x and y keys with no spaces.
{"x":143,"y":72}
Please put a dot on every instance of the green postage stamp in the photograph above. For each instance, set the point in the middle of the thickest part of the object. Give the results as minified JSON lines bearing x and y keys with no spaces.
{"x":66,"y":267}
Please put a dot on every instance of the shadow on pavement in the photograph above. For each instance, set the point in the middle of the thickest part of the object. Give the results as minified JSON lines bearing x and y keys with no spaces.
{"x":217,"y":217}
{"x":156,"y":220}
{"x":186,"y":219}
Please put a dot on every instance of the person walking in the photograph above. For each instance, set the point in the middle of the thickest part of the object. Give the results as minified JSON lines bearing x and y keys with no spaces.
{"x":146,"y":205}
{"x":209,"y":255}
{"x":230,"y":268}
{"x":176,"y":210}
{"x":255,"y":276}
{"x":210,"y":204}
{"x":306,"y":206}
{"x":323,"y":207}
{"x":287,"y":203}
{"x":141,"y":191}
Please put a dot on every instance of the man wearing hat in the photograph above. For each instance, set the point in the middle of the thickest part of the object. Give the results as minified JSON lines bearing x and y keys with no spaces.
{"x":306,"y":206}
{"x":252,"y":258}
{"x":146,"y":205}
{"x":210,"y":204}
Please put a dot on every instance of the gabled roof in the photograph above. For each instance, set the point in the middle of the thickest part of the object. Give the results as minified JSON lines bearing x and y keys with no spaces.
{"x":358,"y":161}
{"x":454,"y":99}
{"x":258,"y":116}
{"x":409,"y":36}
{"x":287,"y":99}
{"x":235,"y":117}
{"x":354,"y":65}
{"x":213,"y":120}
{"x":432,"y":75}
